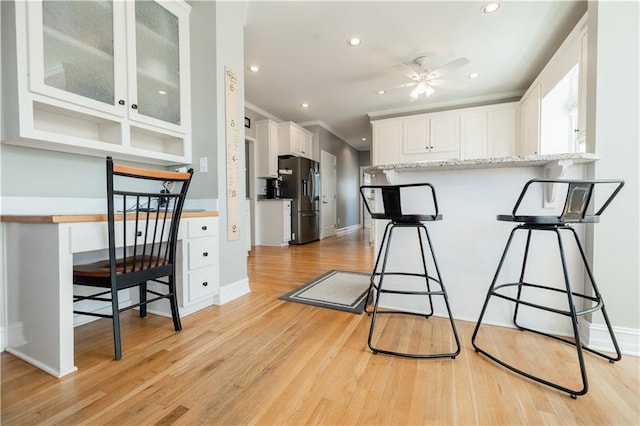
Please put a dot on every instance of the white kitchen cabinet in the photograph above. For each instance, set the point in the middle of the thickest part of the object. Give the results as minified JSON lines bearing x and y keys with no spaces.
{"x":267,"y":148}
{"x":101,"y":78}
{"x":294,"y":140}
{"x":386,"y":143}
{"x":473,"y":135}
{"x":530,"y":123}
{"x":199,"y":282}
{"x":274,"y":222}
{"x":431,"y":137}
{"x":502,"y":131}
{"x":488,"y":131}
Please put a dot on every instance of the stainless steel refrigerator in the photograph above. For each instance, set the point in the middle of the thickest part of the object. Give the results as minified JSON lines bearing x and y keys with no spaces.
{"x":301,"y":183}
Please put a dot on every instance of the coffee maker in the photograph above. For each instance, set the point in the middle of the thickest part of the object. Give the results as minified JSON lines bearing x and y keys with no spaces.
{"x":273,"y":188}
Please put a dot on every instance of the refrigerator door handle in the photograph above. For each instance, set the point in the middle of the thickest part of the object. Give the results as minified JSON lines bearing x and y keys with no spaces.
{"x":312,"y":190}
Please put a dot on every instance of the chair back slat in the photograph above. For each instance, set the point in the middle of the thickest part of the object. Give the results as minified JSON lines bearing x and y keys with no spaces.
{"x":134,"y":197}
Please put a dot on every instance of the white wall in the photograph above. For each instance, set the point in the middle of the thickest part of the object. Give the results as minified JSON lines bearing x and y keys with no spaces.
{"x":613,"y":133}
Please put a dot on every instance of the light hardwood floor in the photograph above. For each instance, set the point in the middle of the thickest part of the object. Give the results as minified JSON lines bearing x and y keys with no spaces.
{"x":259,"y":360}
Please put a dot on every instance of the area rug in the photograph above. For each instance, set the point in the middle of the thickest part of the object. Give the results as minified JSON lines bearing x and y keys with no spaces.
{"x":340,"y":290}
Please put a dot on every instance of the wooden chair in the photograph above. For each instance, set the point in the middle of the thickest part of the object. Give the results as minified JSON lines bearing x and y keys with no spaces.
{"x":143,"y":224}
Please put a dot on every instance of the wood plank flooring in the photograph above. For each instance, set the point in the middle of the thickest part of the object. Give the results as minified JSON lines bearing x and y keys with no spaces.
{"x":259,"y":360}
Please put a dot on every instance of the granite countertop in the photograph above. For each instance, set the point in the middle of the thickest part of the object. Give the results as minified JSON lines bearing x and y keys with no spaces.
{"x":485,"y":163}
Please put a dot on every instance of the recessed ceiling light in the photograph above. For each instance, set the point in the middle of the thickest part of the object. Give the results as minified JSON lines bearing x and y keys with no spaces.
{"x":162,"y":92}
{"x":304,"y":105}
{"x":355,"y":41}
{"x":380,"y":92}
{"x":254,"y":68}
{"x":364,"y":139}
{"x":474,"y":75}
{"x":490,"y":7}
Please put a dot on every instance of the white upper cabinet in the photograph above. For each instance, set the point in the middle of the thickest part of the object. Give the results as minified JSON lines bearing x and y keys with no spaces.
{"x":103,"y":77}
{"x":267,"y":148}
{"x":387,"y":140}
{"x":294,"y":140}
{"x":473,"y":138}
{"x":431,"y":137}
{"x":502,"y":131}
{"x":530,"y":123}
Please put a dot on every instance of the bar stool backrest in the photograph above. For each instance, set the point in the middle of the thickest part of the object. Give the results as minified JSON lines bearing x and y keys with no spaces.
{"x":408,"y":203}
{"x":579,"y":197}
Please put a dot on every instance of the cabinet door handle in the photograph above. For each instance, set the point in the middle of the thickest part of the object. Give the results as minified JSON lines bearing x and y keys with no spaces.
{"x":204,"y":284}
{"x":134,"y":106}
{"x":121,"y":102}
{"x":139,"y":234}
{"x":204,"y":228}
{"x":205,"y":254}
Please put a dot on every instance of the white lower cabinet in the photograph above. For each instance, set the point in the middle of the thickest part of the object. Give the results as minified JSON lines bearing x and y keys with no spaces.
{"x":200,"y":265}
{"x":274,"y":222}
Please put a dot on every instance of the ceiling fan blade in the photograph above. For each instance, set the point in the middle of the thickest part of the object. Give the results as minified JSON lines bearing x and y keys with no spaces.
{"x":446,"y":68}
{"x":401,"y":86}
{"x":447,"y":84}
{"x":407,"y":70}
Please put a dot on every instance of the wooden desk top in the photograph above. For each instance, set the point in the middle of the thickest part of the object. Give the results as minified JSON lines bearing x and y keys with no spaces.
{"x":73,"y":218}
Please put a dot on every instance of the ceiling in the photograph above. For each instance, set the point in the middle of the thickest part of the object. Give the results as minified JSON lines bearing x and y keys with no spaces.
{"x":303,"y":55}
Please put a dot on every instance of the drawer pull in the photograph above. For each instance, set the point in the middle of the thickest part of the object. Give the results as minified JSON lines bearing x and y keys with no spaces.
{"x":204,"y":284}
{"x":205,"y":254}
{"x":139,"y":234}
{"x":204,"y":228}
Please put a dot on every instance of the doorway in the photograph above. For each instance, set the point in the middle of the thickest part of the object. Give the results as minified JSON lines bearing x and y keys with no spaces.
{"x":328,"y":183}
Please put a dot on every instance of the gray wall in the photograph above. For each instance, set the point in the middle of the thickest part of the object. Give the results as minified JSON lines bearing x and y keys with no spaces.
{"x":347,"y":175}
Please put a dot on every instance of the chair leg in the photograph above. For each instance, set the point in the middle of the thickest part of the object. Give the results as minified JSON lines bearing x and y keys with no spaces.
{"x":490,"y":293}
{"x":521,"y":281}
{"x":444,"y":294}
{"x":378,"y":288}
{"x":142,"y":289}
{"x":372,"y":286}
{"x":618,"y":356}
{"x":175,"y":314}
{"x":424,"y":268}
{"x":116,"y":324}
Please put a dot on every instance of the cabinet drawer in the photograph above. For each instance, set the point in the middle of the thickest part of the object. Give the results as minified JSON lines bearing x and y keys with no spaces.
{"x":203,"y":282}
{"x":201,"y":227}
{"x":202,"y":252}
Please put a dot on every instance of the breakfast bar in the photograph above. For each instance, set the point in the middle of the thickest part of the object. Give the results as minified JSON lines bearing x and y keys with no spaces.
{"x":469,"y":240}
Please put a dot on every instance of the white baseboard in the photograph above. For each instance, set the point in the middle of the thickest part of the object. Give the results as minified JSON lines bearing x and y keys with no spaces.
{"x":55,"y":373}
{"x":628,"y":339}
{"x":347,"y":229}
{"x":232,"y":291}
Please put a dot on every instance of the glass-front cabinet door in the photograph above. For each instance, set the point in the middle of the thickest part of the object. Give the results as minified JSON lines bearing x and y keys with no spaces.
{"x":159,"y":54}
{"x":77,"y":52}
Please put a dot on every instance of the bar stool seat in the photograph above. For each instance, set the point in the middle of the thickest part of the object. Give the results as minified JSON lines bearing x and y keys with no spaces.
{"x":578,"y":198}
{"x":395,"y":199}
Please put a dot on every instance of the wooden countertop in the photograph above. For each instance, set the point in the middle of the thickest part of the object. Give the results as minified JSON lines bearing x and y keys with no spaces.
{"x":91,"y":217}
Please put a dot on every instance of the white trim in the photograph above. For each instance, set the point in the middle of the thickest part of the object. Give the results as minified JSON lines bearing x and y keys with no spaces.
{"x":628,"y":339}
{"x":47,"y":369}
{"x":232,"y":291}
{"x":347,"y":229}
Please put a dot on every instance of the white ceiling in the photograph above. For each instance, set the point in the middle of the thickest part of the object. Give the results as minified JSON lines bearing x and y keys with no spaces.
{"x":301,"y":49}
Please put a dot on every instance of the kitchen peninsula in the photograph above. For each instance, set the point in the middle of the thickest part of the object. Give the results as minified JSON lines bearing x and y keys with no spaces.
{"x":468,"y":242}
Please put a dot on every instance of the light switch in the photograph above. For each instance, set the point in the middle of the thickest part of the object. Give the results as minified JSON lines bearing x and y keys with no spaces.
{"x":203,"y":165}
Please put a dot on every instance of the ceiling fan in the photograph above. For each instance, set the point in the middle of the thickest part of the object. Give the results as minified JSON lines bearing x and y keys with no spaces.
{"x":425,"y":79}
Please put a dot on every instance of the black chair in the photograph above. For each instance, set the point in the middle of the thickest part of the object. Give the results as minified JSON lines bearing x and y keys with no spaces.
{"x":142,"y":231}
{"x":403,"y":206}
{"x":577,"y":203}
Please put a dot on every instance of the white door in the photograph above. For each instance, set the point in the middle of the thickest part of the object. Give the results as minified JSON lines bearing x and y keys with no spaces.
{"x":328,"y":183}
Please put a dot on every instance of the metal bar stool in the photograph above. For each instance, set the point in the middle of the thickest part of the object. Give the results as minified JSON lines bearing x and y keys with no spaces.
{"x":393,"y":201}
{"x":578,"y":198}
